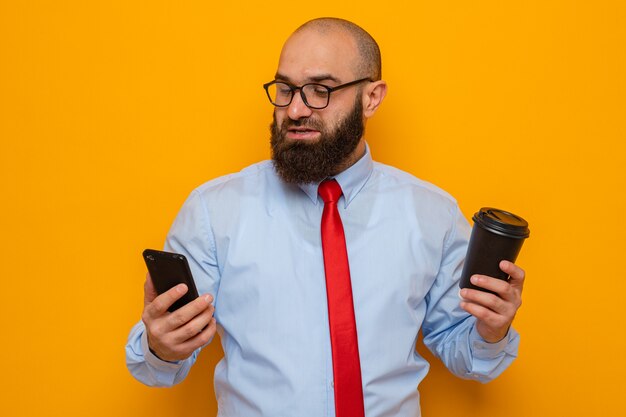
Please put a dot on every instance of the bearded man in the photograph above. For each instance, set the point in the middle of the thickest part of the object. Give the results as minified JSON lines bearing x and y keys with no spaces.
{"x":319,"y":268}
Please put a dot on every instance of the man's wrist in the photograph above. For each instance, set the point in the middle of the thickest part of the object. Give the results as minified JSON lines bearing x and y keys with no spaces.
{"x":156,"y":355}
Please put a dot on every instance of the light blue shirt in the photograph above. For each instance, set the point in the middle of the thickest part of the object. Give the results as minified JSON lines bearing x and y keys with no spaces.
{"x":254,"y":242}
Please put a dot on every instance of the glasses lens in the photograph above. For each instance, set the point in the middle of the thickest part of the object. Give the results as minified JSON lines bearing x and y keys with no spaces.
{"x":316,"y":95}
{"x":280,"y":94}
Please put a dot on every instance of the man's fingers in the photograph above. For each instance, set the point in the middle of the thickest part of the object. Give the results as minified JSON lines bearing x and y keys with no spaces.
{"x":500,"y":287}
{"x":516,"y":273}
{"x":193,"y":327}
{"x":187,"y":313}
{"x":494,"y":313}
{"x":491,"y":318}
{"x":173,"y":350}
{"x":174,"y":336}
{"x":160,"y":304}
{"x":485,"y":299}
{"x":201,"y":339}
{"x":508,"y":290}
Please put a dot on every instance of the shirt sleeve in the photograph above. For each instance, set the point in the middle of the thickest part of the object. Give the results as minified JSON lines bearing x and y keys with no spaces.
{"x":149,"y":369}
{"x":191,"y":236}
{"x":449,"y":331}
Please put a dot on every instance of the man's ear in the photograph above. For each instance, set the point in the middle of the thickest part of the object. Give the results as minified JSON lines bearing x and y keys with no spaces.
{"x":373,"y":96}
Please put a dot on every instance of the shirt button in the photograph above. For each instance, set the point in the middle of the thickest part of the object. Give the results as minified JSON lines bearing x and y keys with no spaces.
{"x":332,"y":384}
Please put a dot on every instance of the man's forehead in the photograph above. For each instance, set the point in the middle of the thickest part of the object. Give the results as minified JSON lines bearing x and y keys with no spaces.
{"x":311,"y":55}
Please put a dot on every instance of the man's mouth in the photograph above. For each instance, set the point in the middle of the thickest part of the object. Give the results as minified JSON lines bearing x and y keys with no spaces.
{"x":302,"y":133}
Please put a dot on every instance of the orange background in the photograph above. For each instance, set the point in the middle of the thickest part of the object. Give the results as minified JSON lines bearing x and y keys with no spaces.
{"x":111,"y":112}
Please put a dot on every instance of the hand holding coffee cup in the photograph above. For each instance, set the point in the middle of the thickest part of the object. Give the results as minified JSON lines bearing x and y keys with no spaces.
{"x":497,"y":235}
{"x":495,"y":242}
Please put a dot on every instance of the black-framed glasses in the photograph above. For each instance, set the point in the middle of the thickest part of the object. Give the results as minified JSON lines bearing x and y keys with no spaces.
{"x":315,"y":96}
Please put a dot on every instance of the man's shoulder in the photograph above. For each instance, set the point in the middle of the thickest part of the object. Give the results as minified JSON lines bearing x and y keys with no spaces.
{"x":250,"y":176}
{"x":409,"y":183}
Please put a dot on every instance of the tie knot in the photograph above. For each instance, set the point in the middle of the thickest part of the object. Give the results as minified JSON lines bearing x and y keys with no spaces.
{"x":330,"y":191}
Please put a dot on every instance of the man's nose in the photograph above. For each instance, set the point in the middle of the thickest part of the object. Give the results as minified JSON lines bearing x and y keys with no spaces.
{"x":297,"y":109}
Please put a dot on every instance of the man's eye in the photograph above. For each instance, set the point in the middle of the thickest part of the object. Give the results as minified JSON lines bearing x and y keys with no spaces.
{"x":283,"y":90}
{"x":320,"y":91}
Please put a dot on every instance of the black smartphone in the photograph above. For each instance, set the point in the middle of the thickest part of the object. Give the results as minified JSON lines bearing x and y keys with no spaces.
{"x":168,"y":269}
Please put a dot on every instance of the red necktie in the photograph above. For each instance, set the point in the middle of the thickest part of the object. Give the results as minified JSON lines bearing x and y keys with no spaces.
{"x":343,"y":338}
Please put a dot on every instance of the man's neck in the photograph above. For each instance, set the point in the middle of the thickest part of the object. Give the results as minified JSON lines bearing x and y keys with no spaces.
{"x":352,"y":159}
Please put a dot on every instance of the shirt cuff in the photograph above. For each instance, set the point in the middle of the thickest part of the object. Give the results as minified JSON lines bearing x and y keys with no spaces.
{"x":485,"y":350}
{"x":490,"y":359}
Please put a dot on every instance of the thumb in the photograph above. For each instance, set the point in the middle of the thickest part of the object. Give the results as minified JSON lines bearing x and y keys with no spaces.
{"x":516,"y":274}
{"x":149,"y":293}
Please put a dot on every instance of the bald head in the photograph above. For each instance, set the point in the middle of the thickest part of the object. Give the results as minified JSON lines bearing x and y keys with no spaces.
{"x":369,"y":62}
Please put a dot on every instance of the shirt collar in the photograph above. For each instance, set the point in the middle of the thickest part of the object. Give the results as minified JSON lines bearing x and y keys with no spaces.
{"x":351,"y":180}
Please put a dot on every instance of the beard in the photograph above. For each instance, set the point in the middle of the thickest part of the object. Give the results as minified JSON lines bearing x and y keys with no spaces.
{"x":301,"y":162}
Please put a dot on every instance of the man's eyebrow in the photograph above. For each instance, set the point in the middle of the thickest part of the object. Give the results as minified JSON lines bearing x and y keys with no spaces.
{"x":312,"y":79}
{"x":324,"y":77}
{"x":281,"y":77}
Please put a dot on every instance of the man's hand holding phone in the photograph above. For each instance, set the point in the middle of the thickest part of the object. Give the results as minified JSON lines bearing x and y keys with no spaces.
{"x":173,"y":336}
